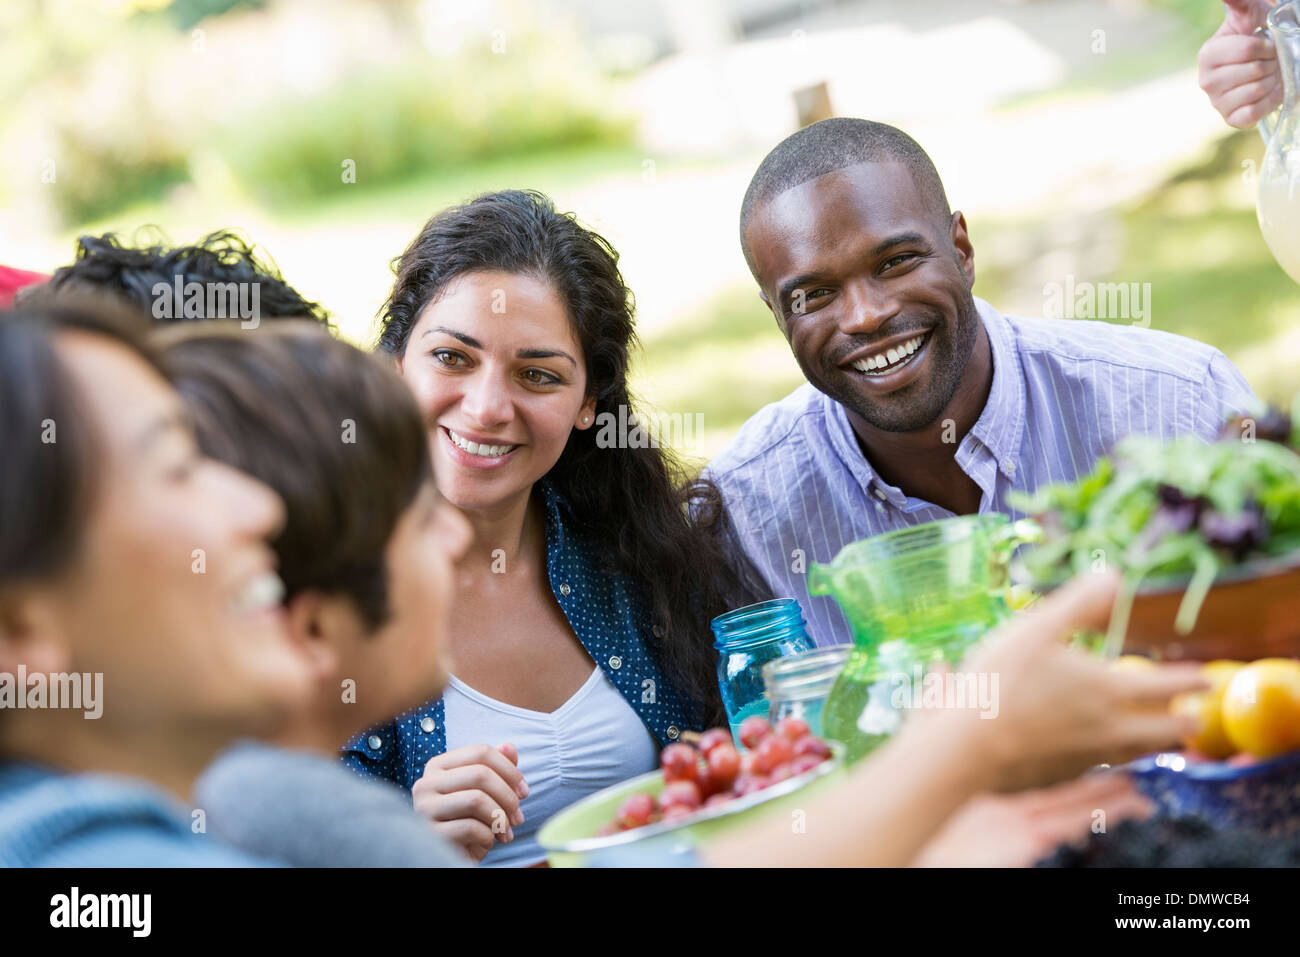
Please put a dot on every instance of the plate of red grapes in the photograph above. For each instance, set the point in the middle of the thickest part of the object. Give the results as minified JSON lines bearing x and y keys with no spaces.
{"x":704,"y":784}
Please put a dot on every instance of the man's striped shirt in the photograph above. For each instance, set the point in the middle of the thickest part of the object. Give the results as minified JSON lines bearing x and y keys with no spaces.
{"x":798,"y":487}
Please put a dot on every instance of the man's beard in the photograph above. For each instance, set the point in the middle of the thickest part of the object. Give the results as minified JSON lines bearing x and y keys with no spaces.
{"x":909,"y":410}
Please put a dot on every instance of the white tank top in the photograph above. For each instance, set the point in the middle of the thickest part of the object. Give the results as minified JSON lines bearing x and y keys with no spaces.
{"x":593,"y":740}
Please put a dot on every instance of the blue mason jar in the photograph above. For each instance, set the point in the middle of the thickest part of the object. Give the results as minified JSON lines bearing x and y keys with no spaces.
{"x":747,"y":639}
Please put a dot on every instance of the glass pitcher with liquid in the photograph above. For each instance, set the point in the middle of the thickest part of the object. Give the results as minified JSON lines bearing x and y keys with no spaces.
{"x":913,"y":598}
{"x":1278,"y":202}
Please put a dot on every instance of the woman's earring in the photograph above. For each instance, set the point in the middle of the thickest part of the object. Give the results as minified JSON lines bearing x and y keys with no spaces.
{"x":586,"y":419}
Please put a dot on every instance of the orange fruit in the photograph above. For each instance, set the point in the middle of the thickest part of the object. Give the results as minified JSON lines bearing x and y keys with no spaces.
{"x":1220,"y":672}
{"x":1261,"y":707}
{"x":1210,"y":738}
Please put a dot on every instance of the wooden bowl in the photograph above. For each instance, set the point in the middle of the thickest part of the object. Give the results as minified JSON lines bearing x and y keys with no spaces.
{"x":1253,"y":611}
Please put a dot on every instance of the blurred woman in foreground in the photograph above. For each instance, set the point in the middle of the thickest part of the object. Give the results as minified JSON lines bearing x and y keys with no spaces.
{"x":129,"y":561}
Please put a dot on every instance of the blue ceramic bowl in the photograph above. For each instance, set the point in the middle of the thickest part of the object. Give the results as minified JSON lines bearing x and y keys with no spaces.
{"x":1263,"y":796}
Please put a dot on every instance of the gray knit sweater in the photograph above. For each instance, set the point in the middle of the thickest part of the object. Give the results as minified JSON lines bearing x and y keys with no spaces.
{"x":306,"y":810}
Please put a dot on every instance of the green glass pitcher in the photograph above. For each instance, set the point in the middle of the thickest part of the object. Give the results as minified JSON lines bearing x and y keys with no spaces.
{"x":913,"y":598}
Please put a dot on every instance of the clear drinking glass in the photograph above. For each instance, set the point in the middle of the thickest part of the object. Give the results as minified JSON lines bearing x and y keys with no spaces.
{"x":798,"y":686}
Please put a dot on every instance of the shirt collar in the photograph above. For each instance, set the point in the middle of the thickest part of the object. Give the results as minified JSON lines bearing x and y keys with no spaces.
{"x":999,"y":428}
{"x":557,"y":509}
{"x":845,"y":442}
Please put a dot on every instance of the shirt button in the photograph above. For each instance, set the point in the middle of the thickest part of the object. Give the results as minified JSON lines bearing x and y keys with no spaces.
{"x":1009,"y":467}
{"x":374,"y":741}
{"x":565,"y":589}
{"x":673,"y":732}
{"x":426,"y":724}
{"x":615,"y":662}
{"x":880,"y":493}
{"x":657,"y":631}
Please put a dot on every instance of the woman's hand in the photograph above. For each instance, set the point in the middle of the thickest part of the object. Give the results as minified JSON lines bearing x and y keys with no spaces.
{"x":1239,"y":71}
{"x":472,"y":795}
{"x":1060,"y":711}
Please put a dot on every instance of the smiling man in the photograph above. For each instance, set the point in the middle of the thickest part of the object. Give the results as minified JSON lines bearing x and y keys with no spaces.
{"x":922,"y":401}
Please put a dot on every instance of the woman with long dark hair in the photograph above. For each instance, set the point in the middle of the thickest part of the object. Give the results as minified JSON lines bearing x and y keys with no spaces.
{"x":581,"y":634}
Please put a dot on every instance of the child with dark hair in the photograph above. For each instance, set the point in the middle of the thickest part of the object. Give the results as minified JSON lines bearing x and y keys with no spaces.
{"x":365,"y":553}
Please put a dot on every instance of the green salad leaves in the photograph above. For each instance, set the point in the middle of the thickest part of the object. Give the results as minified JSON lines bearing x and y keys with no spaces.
{"x":1185,"y":509}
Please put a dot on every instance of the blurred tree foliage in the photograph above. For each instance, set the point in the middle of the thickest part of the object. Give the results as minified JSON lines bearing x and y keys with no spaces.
{"x":125,"y":102}
{"x":188,"y":13}
{"x":425,"y":114}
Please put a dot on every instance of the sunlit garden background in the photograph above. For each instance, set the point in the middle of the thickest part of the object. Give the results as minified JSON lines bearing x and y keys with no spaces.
{"x":1070,"y":132}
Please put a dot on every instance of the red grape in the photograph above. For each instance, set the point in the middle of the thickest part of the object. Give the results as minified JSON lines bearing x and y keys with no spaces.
{"x":679,"y":794}
{"x":749,"y":783}
{"x":812,"y":745}
{"x":712,"y":738}
{"x":636,"y":811}
{"x":677,"y":812}
{"x":793,"y":728}
{"x":747,"y":759}
{"x":708,"y":784}
{"x":724,"y":765}
{"x":724,"y":797}
{"x":781,"y":772}
{"x":680,"y":762}
{"x":753,"y":730}
{"x":772,"y":752}
{"x":804,"y":763}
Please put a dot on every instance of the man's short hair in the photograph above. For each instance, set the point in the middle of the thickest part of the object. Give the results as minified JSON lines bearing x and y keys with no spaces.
{"x":831,"y":145}
{"x":132,"y":271}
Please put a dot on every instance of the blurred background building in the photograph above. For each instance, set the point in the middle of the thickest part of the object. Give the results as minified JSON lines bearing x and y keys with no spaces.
{"x":1071,"y":133}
